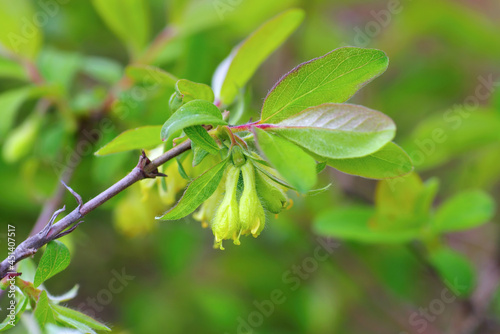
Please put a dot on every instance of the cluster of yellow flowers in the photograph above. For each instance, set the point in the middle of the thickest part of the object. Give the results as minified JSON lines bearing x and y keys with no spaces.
{"x":231,"y":212}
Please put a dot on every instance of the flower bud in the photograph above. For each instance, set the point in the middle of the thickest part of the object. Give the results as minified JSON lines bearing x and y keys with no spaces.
{"x":226,"y":223}
{"x":271,"y":194}
{"x":238,"y":157}
{"x":252,"y":214}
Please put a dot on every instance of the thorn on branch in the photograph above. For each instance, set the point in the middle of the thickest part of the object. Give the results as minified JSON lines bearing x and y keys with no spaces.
{"x":75,"y":195}
{"x":47,"y":228}
{"x":68,"y":231}
{"x":143,"y":162}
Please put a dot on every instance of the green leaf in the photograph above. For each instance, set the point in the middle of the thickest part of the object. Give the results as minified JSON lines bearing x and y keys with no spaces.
{"x":197,"y":112}
{"x":338,"y":131}
{"x":12,"y":69}
{"x":198,"y":153}
{"x":464,"y":211}
{"x":455,"y":270}
{"x":296,"y":166}
{"x":21,"y":140}
{"x":151,"y":76}
{"x":44,"y":313}
{"x":21,"y":304}
{"x":388,"y":162}
{"x":54,"y":260}
{"x":11,"y":101}
{"x":455,"y":132}
{"x":182,"y":171}
{"x":128,"y":19}
{"x":354,"y":223}
{"x":18,"y":31}
{"x":145,"y":137}
{"x":190,"y":91}
{"x":197,"y":192}
{"x":59,"y":67}
{"x":65,"y":296}
{"x":79,"y":317}
{"x":334,"y":77}
{"x":235,"y":71}
{"x":397,"y":203}
{"x":200,"y":136}
{"x":103,"y":69}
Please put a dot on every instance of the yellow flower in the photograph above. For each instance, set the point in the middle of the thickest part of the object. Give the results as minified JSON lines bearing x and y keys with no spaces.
{"x":226,"y":223}
{"x":252,"y":216}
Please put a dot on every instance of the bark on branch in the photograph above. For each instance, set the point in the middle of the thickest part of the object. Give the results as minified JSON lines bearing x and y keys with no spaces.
{"x":53,"y":230}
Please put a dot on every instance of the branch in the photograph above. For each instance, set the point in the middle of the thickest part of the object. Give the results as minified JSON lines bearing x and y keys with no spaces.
{"x":144,"y":169}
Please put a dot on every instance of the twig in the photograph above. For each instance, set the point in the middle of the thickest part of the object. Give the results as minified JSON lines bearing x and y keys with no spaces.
{"x":144,"y":169}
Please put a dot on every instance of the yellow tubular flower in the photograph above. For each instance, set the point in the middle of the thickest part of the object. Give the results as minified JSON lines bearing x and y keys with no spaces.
{"x":252,"y":214}
{"x":226,"y":223}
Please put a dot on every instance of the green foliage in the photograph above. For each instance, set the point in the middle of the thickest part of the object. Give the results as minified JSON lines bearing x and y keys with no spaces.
{"x":128,"y":19}
{"x":356,"y":131}
{"x":78,"y":320}
{"x":150,"y":76}
{"x":201,"y":138}
{"x":145,"y":137}
{"x":455,"y":270}
{"x":54,"y":260}
{"x":23,"y":37}
{"x":11,"y":101}
{"x":59,"y":96}
{"x":389,"y":162}
{"x":296,"y":166}
{"x":197,"y":192}
{"x":44,"y":313}
{"x":464,"y":211}
{"x":235,"y":71}
{"x":334,"y":77}
{"x":403,"y":212}
{"x":196,"y":112}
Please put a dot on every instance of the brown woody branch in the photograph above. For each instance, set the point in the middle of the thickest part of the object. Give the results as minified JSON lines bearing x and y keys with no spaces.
{"x":144,"y":169}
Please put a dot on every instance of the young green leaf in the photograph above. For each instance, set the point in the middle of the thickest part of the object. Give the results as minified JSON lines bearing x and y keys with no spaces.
{"x":21,"y":305}
{"x":334,"y":77}
{"x":103,"y":69}
{"x":338,"y":131}
{"x":21,"y":140}
{"x":397,"y":203}
{"x":455,"y":270}
{"x":128,"y":19}
{"x":21,"y":36}
{"x":189,"y":91}
{"x":10,"y":101}
{"x":295,"y":165}
{"x":44,"y":313}
{"x":65,"y":296}
{"x":54,"y":260}
{"x":200,"y":136}
{"x":235,"y":71}
{"x":197,"y":112}
{"x":79,"y":317}
{"x":145,"y":137}
{"x":197,"y":192}
{"x":150,"y":76}
{"x":388,"y":162}
{"x":464,"y":211}
{"x":354,"y":223}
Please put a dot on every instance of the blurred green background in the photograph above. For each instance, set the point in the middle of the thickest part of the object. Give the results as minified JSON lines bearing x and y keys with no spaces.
{"x":441,"y":53}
